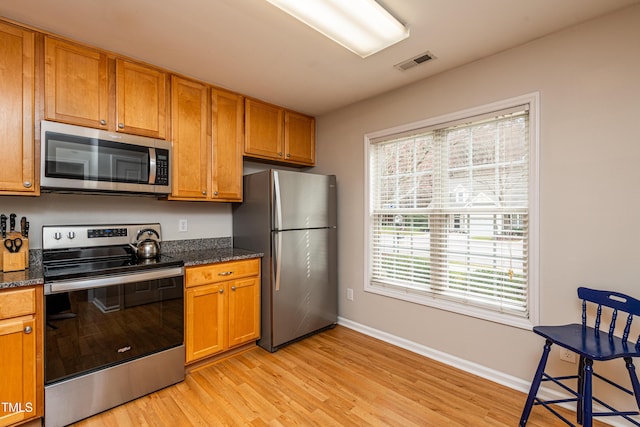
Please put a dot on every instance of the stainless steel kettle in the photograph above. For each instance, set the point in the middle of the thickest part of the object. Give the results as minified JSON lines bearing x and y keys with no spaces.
{"x":147,"y":248}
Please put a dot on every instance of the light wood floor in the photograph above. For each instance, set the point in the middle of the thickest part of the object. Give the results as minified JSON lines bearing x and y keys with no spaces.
{"x":337,"y":378}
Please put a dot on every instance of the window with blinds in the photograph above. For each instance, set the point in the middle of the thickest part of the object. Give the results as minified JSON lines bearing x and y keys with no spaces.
{"x":450,"y":211}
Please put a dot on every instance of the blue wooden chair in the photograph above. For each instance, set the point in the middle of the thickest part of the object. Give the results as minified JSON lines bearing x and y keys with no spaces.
{"x":590,"y":344}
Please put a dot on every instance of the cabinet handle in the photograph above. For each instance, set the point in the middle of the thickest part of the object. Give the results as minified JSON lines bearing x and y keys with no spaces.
{"x":27,"y":184}
{"x":204,"y":193}
{"x":215,"y":193}
{"x":225,"y":273}
{"x":279,"y":153}
{"x":27,"y":330}
{"x":233,"y":288}
{"x":221,"y":290}
{"x":288,"y":155}
{"x":121,"y":125}
{"x":103,"y":122}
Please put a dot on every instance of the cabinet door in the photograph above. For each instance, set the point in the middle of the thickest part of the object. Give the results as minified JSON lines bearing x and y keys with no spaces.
{"x":18,"y":361}
{"x":17,"y":174}
{"x":141,"y":94}
{"x":244,"y":311}
{"x":76,"y":84}
{"x":191,"y":142}
{"x":205,"y":319}
{"x":264,"y":124}
{"x":299,"y":138}
{"x":227,"y":139}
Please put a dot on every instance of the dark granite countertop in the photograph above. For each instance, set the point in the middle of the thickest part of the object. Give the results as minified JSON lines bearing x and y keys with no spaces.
{"x":206,"y":251}
{"x":192,"y":252}
{"x":29,"y":277}
{"x":213,"y":256}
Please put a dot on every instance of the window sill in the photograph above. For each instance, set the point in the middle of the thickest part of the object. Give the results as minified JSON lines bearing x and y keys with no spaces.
{"x":451,"y":306}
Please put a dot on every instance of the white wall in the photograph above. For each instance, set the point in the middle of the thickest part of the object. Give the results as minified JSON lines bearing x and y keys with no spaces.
{"x":203,"y":219}
{"x":589,"y":82}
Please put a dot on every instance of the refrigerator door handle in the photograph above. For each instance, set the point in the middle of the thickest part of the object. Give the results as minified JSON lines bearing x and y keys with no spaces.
{"x":277,"y":250}
{"x":277,"y":203}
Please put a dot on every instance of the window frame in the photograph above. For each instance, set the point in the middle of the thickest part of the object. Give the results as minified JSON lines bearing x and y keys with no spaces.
{"x":533,"y":101}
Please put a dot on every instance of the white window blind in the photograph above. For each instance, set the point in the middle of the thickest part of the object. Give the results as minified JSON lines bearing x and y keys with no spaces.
{"x":449,"y":211}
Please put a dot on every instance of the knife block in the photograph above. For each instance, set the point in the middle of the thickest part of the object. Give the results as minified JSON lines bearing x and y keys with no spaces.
{"x":15,"y":261}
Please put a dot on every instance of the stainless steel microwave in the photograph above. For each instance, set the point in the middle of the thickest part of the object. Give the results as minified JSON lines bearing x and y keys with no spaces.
{"x":79,"y":159}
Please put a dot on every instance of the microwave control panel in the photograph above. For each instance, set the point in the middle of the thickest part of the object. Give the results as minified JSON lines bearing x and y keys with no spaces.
{"x":162,"y":167}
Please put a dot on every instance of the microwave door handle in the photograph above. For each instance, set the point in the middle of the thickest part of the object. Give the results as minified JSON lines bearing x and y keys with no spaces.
{"x":152,"y":165}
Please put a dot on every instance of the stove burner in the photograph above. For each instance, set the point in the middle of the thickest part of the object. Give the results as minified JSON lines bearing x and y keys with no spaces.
{"x":71,"y":252}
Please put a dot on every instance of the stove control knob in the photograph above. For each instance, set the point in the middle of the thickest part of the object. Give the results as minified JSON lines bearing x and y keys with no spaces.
{"x":71,"y":235}
{"x":57,"y":235}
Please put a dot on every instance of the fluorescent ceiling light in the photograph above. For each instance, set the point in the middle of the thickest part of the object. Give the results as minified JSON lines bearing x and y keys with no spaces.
{"x":362,"y":26}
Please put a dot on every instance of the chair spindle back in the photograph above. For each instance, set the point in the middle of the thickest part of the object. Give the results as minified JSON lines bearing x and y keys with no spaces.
{"x":614,"y":300}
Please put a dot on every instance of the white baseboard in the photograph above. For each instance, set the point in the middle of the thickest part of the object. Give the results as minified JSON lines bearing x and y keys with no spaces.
{"x":467,"y":366}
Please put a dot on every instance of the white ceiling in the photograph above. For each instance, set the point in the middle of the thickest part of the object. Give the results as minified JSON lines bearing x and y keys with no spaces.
{"x":254,"y":48}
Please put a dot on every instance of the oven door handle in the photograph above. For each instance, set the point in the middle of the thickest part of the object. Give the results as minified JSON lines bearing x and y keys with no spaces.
{"x":116,"y":279}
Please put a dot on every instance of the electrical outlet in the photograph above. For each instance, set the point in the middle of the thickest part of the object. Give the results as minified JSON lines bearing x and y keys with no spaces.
{"x":183,"y":226}
{"x":349,"y":294}
{"x":567,"y":355}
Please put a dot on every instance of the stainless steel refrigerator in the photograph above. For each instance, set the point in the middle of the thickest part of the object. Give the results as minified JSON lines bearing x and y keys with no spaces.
{"x":291,"y":218}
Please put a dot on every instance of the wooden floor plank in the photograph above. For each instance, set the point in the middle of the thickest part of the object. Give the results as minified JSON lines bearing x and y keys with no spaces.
{"x":337,"y":378}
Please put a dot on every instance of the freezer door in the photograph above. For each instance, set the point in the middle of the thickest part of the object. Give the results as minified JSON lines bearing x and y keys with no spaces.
{"x":303,"y":289}
{"x":303,"y":200}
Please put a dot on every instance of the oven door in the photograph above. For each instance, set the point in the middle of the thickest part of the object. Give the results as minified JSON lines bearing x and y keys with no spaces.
{"x":95,"y":323}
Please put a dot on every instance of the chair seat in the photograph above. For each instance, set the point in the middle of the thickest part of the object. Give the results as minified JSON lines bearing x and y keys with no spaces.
{"x":592,"y":344}
{"x":587,"y":342}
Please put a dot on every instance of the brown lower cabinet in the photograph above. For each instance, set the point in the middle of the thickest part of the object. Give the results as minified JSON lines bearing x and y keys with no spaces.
{"x":222,"y":307}
{"x":21,"y":387}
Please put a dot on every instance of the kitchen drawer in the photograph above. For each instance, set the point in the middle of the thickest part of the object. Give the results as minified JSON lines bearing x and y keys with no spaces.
{"x":222,"y":272}
{"x":19,"y":302}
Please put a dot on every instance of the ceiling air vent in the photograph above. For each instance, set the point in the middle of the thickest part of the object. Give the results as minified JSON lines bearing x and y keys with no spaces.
{"x":416,"y":60}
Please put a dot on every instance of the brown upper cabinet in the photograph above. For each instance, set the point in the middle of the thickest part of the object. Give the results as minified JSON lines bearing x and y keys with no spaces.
{"x":141,"y":94}
{"x":77,"y":90}
{"x":207,"y":137}
{"x":17,"y":84}
{"x":273,"y":133}
{"x":227,"y":126}
{"x":76,"y":84}
{"x":299,"y":138}
{"x":43,"y":76}
{"x":190,"y":136}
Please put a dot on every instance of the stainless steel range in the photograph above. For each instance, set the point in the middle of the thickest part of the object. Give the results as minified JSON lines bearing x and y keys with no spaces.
{"x":114,"y":320}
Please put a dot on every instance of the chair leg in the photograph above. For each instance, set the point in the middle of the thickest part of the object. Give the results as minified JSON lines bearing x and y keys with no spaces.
{"x":580,"y":390}
{"x":587,"y":394}
{"x":634,"y":379}
{"x":535,"y":384}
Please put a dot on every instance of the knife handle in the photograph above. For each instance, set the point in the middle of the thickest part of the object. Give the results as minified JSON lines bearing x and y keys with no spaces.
{"x":12,"y":222}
